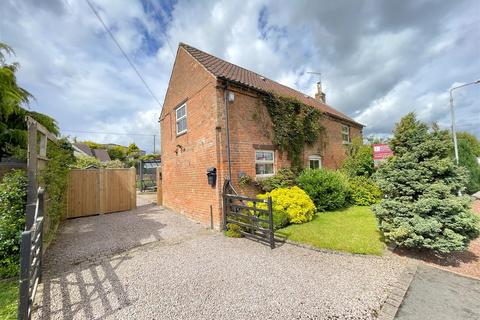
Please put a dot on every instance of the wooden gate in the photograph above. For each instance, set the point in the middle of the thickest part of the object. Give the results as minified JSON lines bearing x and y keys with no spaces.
{"x":98,"y":191}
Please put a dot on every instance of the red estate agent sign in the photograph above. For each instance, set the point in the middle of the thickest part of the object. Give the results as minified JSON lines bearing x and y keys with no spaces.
{"x":380,"y":153}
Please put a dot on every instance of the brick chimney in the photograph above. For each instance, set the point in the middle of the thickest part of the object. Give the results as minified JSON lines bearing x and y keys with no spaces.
{"x":320,"y":95}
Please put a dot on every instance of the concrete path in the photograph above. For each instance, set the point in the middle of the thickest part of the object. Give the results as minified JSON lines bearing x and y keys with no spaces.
{"x":440,"y":295}
{"x":152,"y":263}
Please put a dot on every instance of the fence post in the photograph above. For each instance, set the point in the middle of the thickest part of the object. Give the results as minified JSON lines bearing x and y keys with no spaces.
{"x":23,"y":293}
{"x":225,"y":204}
{"x":41,"y":209}
{"x":133,"y":178}
{"x":270,"y":223}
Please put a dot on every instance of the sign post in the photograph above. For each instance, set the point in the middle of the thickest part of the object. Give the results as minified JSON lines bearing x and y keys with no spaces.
{"x":381,"y":152}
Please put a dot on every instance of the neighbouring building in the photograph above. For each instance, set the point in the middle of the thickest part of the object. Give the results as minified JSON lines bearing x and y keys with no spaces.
{"x":82,"y":149}
{"x":193,"y":132}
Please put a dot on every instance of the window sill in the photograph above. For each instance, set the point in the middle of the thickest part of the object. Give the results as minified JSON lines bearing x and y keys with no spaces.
{"x":260,"y":177}
{"x":346,"y":142}
{"x":181,"y":133}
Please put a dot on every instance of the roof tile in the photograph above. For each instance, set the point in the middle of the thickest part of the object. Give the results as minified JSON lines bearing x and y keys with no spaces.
{"x":221,"y":68}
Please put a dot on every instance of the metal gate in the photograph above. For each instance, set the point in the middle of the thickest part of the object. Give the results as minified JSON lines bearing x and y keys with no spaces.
{"x":255,"y":222}
{"x":31,"y":260}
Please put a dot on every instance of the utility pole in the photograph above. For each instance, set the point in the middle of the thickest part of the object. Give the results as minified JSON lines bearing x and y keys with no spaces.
{"x":154,"y":142}
{"x":454,"y":133}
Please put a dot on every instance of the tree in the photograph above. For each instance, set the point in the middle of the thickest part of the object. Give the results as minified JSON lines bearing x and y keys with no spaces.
{"x":421,"y":208}
{"x":469,"y":151}
{"x":13,"y":127}
{"x":359,"y":161}
{"x":92,"y":145}
{"x":117,"y":153}
{"x":133,"y":150}
{"x":471,"y":140}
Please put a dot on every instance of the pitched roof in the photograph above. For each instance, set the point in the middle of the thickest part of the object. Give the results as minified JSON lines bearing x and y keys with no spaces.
{"x":229,"y":71}
{"x":101,"y":155}
{"x":83,"y":148}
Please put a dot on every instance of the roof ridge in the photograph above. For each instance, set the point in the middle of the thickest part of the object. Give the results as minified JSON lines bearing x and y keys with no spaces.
{"x":222,"y":68}
{"x":223,"y":60}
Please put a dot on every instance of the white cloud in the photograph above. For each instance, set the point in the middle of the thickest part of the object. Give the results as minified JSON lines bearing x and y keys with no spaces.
{"x":379,"y":59}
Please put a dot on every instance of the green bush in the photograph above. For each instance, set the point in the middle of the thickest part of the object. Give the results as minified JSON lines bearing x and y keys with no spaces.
{"x":468,"y":159}
{"x":55,"y":180}
{"x":281,"y":219}
{"x":233,"y":231}
{"x":292,"y":202}
{"x":359,"y":161}
{"x":285,"y":178}
{"x":328,"y":189}
{"x":83,"y":162}
{"x":421,"y":183}
{"x":364,"y":191}
{"x":13,"y":198}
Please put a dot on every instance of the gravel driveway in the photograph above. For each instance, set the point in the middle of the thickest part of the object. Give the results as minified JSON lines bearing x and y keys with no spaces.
{"x":163,"y":266}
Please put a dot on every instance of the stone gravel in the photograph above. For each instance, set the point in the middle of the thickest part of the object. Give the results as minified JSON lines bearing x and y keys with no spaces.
{"x":189,"y":272}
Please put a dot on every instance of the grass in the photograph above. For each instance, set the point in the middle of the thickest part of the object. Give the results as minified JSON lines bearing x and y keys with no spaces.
{"x":8,"y":299}
{"x":351,"y":230}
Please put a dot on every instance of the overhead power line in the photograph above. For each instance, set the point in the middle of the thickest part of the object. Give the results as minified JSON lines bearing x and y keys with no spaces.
{"x":123,"y":52}
{"x":111,"y":133}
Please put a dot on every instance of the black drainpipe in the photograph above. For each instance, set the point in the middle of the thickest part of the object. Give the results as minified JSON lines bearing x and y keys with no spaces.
{"x":227,"y":132}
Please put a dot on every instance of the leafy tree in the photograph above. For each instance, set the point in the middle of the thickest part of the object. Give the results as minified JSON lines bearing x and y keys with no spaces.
{"x":467,"y":145}
{"x":13,"y":127}
{"x":92,"y":145}
{"x":421,"y":208}
{"x":133,"y":149}
{"x":359,"y":161}
{"x":117,"y":153}
{"x":471,"y":140}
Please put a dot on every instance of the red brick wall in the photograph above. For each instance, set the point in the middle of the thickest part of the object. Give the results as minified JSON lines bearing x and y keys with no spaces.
{"x":250,"y":125}
{"x":185,"y":158}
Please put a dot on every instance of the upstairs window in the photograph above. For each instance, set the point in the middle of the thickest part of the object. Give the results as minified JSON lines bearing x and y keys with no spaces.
{"x":181,"y":117}
{"x":346,"y":134}
{"x":264,"y":161}
{"x":315,"y":162}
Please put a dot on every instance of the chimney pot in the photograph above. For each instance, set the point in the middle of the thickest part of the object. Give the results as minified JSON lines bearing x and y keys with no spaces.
{"x":320,"y":95}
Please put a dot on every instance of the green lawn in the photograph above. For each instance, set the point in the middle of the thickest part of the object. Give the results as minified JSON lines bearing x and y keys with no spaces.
{"x":352,"y":230}
{"x":8,"y":299}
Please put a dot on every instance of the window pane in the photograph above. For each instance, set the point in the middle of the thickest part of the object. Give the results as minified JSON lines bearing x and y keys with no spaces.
{"x":181,"y":112}
{"x":181,"y":125}
{"x":314,"y":164}
{"x":264,"y":168}
{"x":346,"y":137}
{"x":264,"y":156}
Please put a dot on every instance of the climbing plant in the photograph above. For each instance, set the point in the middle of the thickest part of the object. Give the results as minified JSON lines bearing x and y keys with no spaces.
{"x":294,"y":125}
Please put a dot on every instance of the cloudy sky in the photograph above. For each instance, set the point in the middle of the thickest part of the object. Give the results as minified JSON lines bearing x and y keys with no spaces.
{"x":379,"y":59}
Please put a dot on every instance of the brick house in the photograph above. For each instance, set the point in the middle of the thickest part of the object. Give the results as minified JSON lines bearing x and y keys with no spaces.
{"x":193,"y":132}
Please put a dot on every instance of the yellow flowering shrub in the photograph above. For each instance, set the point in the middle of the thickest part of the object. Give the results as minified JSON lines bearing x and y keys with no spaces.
{"x":292,"y":203}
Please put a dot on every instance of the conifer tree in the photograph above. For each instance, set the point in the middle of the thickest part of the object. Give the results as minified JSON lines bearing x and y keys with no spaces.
{"x":421,"y":183}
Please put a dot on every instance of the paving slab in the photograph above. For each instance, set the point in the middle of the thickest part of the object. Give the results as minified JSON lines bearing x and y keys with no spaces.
{"x":440,"y":295}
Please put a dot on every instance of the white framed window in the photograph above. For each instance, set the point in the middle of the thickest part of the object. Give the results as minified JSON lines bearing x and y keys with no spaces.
{"x":345,"y":134}
{"x":315,"y":162}
{"x":181,"y":118}
{"x":264,"y":163}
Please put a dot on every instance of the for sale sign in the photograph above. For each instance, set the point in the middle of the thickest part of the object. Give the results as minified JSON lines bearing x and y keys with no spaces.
{"x":380,"y":153}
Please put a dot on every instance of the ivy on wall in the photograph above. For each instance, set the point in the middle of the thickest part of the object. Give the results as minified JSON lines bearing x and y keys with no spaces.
{"x":294,"y":125}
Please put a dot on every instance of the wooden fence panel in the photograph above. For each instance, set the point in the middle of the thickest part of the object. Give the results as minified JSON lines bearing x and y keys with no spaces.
{"x":98,"y":191}
{"x":83,"y":193}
